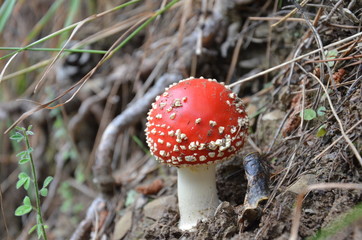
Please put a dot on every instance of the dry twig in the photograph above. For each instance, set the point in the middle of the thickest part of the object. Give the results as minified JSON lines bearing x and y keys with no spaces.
{"x":320,"y":186}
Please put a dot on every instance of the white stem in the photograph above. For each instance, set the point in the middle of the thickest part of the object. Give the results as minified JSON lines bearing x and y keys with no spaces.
{"x":197,"y":195}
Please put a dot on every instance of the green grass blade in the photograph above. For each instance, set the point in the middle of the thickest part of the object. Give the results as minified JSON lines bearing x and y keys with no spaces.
{"x":5,"y":12}
{"x":140,"y":28}
{"x":70,"y":28}
{"x":73,"y":10}
{"x":140,"y":143}
{"x":44,"y":20}
{"x":56,"y":50}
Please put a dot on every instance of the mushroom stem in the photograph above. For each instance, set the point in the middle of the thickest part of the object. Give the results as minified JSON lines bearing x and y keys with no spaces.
{"x":197,"y":194}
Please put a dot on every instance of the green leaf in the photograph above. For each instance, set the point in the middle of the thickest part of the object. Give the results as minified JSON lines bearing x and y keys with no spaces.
{"x":27,"y":184}
{"x":131,"y":197}
{"x":321,"y":131}
{"x":321,"y":111}
{"x":29,"y":133}
{"x":43,"y":192}
{"x":32,"y":229}
{"x":309,"y":114}
{"x":30,"y":127}
{"x":23,"y":175}
{"x":30,"y":150}
{"x":24,"y":160}
{"x":47,"y":181}
{"x":259,"y":111}
{"x":18,"y":137}
{"x":26,"y":201}
{"x":20,"y":128}
{"x":22,"y":154}
{"x":332,"y":54}
{"x":24,"y":179}
{"x":22,"y":210}
{"x":39,"y":231}
{"x":21,"y":182}
{"x":5,"y":12}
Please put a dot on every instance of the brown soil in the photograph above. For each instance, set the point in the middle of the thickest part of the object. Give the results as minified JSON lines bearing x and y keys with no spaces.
{"x":133,"y":196}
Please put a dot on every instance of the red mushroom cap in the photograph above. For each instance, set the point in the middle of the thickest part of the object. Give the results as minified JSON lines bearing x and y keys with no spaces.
{"x":196,"y":121}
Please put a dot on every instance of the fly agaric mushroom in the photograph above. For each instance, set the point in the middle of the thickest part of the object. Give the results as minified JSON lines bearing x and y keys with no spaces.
{"x":193,"y":125}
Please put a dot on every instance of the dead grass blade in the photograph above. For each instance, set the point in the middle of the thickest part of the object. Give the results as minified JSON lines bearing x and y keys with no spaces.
{"x":294,"y":11}
{"x":75,"y":30}
{"x":125,"y":38}
{"x":319,"y":186}
{"x":335,"y":141}
{"x":294,"y":60}
{"x":351,"y":145}
{"x":6,"y":66}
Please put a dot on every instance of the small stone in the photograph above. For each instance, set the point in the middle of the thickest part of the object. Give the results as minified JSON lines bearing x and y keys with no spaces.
{"x":155,"y":208}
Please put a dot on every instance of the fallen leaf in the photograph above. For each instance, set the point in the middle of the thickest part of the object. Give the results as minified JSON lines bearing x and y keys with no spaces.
{"x":290,"y":125}
{"x":338,"y":76}
{"x":151,"y":188}
{"x":302,"y":183}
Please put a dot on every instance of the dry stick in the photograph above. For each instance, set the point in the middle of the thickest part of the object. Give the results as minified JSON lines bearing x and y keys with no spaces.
{"x":320,"y":45}
{"x":319,"y":186}
{"x":354,"y":149}
{"x":336,"y":141}
{"x":303,"y":107}
{"x":234,"y":59}
{"x":299,"y":48}
{"x":333,"y":10}
{"x":294,"y":60}
{"x":187,"y":9}
{"x":291,"y":71}
{"x":289,"y":14}
{"x":280,"y":182}
{"x":276,"y":19}
{"x":279,"y":129}
{"x":202,"y":18}
{"x":3,"y":214}
{"x":335,"y":59}
{"x":161,"y":62}
{"x":237,"y":48}
{"x":105,"y":119}
{"x":351,"y":82}
{"x":253,"y":145}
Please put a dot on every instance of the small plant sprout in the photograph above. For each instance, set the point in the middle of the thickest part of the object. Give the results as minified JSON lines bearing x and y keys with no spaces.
{"x":24,"y":180}
{"x":193,"y":125}
{"x":309,"y":114}
{"x":322,"y":130}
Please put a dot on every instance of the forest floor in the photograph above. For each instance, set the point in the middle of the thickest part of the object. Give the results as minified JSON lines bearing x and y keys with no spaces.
{"x":300,"y":79}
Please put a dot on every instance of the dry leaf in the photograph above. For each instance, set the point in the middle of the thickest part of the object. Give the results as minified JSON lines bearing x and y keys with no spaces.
{"x":151,"y":188}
